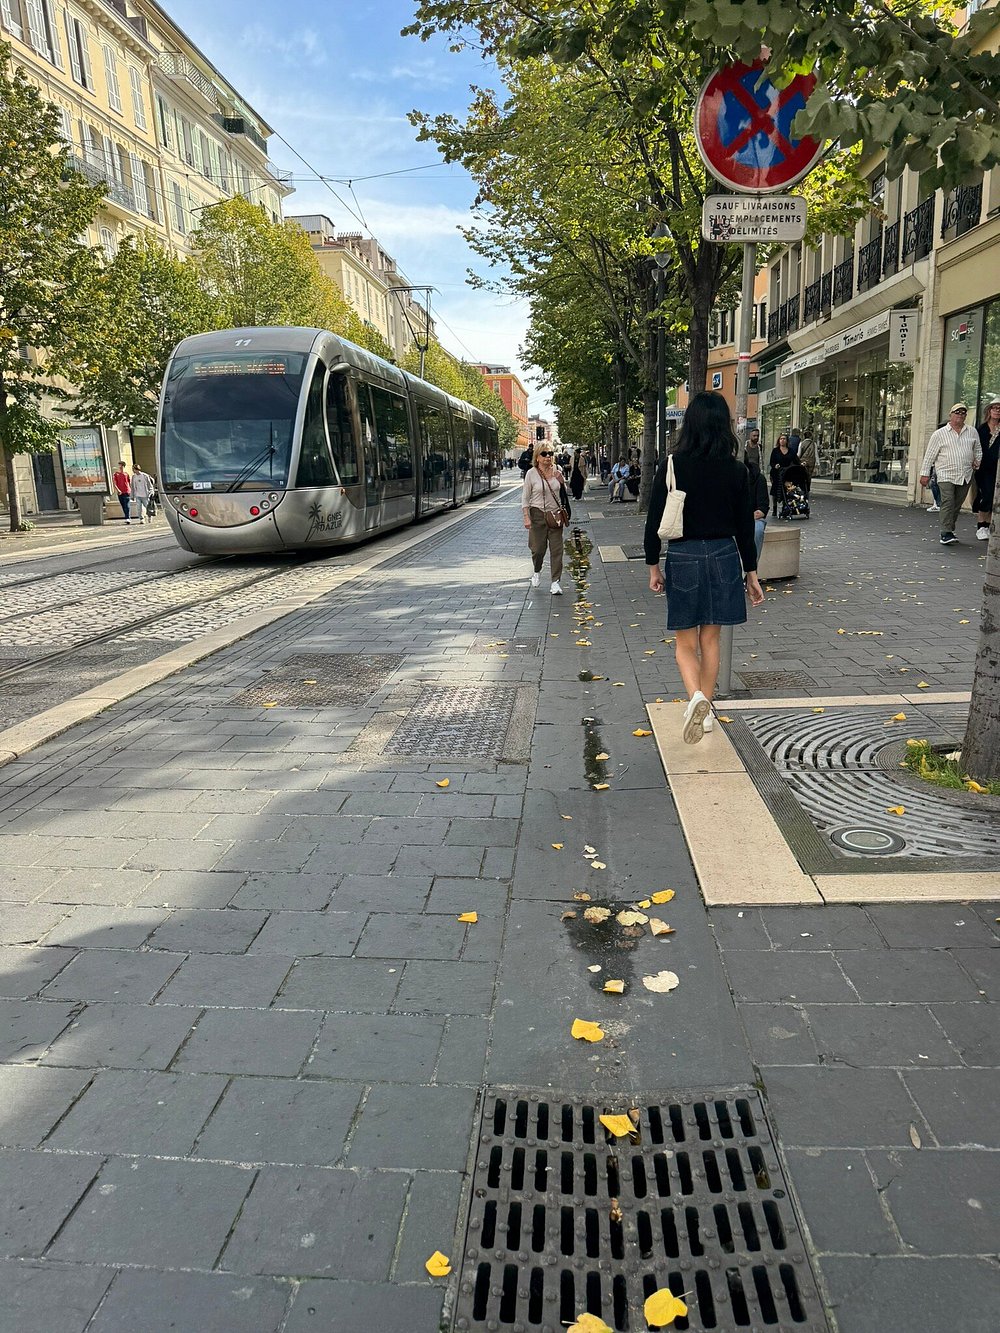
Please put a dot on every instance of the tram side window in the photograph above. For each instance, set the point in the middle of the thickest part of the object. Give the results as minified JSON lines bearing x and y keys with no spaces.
{"x":369,"y":446}
{"x":338,"y":425}
{"x":436,"y":450}
{"x":393,"y":426}
{"x":463,"y":444}
{"x":315,"y":463}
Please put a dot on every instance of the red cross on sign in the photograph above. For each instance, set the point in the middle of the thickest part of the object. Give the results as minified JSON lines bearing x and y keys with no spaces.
{"x":743,"y":129}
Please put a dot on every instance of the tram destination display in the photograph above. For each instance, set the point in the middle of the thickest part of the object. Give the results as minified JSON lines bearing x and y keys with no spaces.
{"x":749,"y":217}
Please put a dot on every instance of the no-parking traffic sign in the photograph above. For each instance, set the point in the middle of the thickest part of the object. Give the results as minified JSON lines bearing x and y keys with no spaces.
{"x":742,"y":126}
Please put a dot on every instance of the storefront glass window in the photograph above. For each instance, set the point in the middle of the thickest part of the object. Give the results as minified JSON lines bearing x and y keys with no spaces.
{"x":963,"y":345}
{"x":818,"y":419}
{"x":774,"y":418}
{"x":989,"y":384}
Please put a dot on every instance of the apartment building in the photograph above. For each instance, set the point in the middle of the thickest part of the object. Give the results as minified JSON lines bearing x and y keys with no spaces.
{"x":146,"y":112}
{"x":371,"y":281}
{"x":513,"y":395}
{"x":871,"y":337}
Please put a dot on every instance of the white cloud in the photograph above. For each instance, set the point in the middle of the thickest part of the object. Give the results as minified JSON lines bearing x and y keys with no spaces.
{"x":301,"y":45}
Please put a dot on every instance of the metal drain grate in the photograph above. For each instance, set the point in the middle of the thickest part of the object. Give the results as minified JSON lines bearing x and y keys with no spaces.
{"x":456,"y":722}
{"x":776,"y":680}
{"x":315,"y":680}
{"x":565,"y":1218}
{"x":523,"y":646}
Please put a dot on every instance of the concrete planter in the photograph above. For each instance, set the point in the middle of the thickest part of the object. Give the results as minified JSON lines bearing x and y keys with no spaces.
{"x":779,"y":558}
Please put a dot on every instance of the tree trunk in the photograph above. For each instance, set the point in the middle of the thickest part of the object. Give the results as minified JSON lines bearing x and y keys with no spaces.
{"x":981,"y":750}
{"x":701,"y":314}
{"x":649,"y":458}
{"x":13,"y":495}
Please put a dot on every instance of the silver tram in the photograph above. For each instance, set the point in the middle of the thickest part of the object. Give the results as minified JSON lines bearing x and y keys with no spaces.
{"x":275,"y":439}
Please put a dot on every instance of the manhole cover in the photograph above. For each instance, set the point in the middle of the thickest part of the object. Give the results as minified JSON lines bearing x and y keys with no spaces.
{"x":775,"y":680}
{"x":566,"y":1218}
{"x":315,"y":680}
{"x":634,"y":552}
{"x":867,"y":841}
{"x":456,"y":722}
{"x":524,"y":645}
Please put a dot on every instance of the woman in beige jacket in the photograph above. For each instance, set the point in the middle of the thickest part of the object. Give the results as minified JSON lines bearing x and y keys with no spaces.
{"x":541,"y":494}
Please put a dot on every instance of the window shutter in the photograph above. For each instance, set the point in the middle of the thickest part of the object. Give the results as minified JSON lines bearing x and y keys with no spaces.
{"x":139,"y":183}
{"x":111,"y":78}
{"x":88,"y":73}
{"x":138,"y":100}
{"x":73,"y":48}
{"x":9,"y":21}
{"x":52,"y":33}
{"x":36,"y":26}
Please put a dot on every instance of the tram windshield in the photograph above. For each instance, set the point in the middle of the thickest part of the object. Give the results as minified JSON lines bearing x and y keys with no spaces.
{"x":228,"y":419}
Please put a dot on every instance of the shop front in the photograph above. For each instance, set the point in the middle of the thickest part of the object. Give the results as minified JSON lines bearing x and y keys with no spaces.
{"x":970,"y":363}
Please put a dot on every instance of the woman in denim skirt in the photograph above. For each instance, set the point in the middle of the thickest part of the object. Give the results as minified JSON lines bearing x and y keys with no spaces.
{"x":708,"y":572}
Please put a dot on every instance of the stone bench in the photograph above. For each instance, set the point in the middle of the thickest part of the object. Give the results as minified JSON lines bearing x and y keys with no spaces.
{"x":779,"y":558}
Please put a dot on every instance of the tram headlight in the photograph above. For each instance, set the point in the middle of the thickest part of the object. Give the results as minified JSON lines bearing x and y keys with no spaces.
{"x":274,"y":497}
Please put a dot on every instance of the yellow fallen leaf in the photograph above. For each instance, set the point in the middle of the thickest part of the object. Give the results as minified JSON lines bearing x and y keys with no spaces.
{"x":445,"y":782}
{"x":557,"y":846}
{"x":595,"y":915}
{"x":598,"y":865}
{"x":819,"y":710}
{"x":581,"y":897}
{"x":594,"y":967}
{"x":601,"y":786}
{"x":589,"y":1323}
{"x":615,"y":987}
{"x":619,"y":1125}
{"x":963,"y":622}
{"x":565,"y":816}
{"x":588,"y":850}
{"x":602,"y":756}
{"x":649,"y":652}
{"x":470,"y":917}
{"x":627,"y":918}
{"x":437,"y":1265}
{"x":664,"y":896}
{"x":584,"y":643}
{"x":724,"y":719}
{"x":568,"y":916}
{"x":598,"y":678}
{"x":270,"y":705}
{"x":899,"y":717}
{"x":641,"y":731}
{"x":922,"y":685}
{"x":659,"y":927}
{"x":974,"y":786}
{"x":842,"y":631}
{"x":310,"y":682}
{"x":663,"y":1307}
{"x":646,"y":902}
{"x":895,"y":810}
{"x":662,"y":982}
{"x":616,"y":683}
{"x":583,"y":1030}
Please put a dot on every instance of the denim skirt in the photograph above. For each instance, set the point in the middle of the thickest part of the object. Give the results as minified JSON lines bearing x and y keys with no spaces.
{"x":704,"y":583}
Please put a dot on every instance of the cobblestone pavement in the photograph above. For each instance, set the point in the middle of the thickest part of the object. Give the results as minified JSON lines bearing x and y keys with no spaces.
{"x":245,"y":1033}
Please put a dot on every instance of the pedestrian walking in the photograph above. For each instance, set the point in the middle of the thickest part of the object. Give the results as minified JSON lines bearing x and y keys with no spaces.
{"x":577,"y":481}
{"x":794,"y":439}
{"x":807,"y":454}
{"x":752,"y":450}
{"x":986,"y":476}
{"x":546,"y":511}
{"x":123,"y":488}
{"x":758,"y":493}
{"x":955,"y":452}
{"x":708,"y":567}
{"x":526,"y":460}
{"x":781,"y":457}
{"x":143,"y":487}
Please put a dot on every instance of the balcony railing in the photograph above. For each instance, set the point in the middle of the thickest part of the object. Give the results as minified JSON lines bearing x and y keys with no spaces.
{"x":95,"y":170}
{"x":918,"y":232}
{"x":240,"y":125}
{"x":793,"y":312}
{"x":870,"y":264}
{"x":283,"y":178}
{"x":962,"y":210}
{"x":890,"y":251}
{"x":179,"y":67}
{"x":772,"y":327}
{"x":843,"y":281}
{"x":826,"y":292}
{"x":811,"y":307}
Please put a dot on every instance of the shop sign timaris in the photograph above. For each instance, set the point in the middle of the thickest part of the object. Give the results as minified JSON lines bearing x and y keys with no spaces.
{"x":901,"y":326}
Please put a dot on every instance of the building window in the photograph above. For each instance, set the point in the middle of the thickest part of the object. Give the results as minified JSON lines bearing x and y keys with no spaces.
{"x":163,"y":118}
{"x":108,"y":243}
{"x":111,"y":78}
{"x":37,"y":15}
{"x":138,"y":100}
{"x":79,"y":55}
{"x":139,"y":184}
{"x":179,"y":210}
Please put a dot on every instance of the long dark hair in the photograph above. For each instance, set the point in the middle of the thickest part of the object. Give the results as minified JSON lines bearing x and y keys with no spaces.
{"x":707,"y":429}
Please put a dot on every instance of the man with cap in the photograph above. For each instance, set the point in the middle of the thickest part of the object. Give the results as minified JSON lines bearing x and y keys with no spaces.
{"x":954,"y":452}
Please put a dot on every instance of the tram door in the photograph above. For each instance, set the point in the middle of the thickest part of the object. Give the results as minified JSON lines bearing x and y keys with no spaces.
{"x":436,"y":477}
{"x":374,"y":481}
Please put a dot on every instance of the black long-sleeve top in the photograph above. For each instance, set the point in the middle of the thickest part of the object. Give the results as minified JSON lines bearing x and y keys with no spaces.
{"x":718,"y":503}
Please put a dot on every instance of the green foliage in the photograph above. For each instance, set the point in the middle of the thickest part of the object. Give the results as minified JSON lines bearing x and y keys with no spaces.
{"x":144,"y":301}
{"x":944,"y":770}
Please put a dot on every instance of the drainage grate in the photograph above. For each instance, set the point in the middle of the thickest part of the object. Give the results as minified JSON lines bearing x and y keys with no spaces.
{"x":565,"y":1218}
{"x":523,"y":646}
{"x":776,"y":680}
{"x":456,"y":722}
{"x":314,"y":680}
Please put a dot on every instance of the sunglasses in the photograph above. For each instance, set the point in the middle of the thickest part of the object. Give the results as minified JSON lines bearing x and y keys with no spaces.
{"x":546,"y":453}
{"x":960,"y":412}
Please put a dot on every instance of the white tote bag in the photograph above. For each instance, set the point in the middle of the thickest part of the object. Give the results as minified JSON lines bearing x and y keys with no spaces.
{"x":672,"y":523}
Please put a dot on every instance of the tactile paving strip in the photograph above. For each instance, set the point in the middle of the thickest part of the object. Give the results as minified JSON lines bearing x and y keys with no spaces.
{"x":566,"y":1218}
{"x":315,"y":680}
{"x":456,"y":722}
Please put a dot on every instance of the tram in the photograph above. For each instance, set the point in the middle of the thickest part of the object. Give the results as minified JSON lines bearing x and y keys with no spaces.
{"x":275,"y":439}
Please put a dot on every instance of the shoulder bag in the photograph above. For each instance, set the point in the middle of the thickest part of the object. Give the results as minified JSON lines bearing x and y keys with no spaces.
{"x":562,"y":518}
{"x":672,"y":523}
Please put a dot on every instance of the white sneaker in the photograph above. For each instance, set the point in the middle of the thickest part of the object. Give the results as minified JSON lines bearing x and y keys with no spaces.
{"x":535,"y":580}
{"x":694,"y":718}
{"x":933,"y":509}
{"x":709,"y":723}
{"x":128,"y":522}
{"x":555,"y":590}
{"x":982,"y":534}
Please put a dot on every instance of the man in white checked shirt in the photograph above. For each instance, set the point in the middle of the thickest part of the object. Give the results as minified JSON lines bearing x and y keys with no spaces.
{"x":954,"y":452}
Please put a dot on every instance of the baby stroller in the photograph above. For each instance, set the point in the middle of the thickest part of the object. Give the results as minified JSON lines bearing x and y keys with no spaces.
{"x":794,"y":492}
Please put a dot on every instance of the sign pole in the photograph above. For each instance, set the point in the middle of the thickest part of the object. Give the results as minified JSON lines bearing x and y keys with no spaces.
{"x":742,"y":396}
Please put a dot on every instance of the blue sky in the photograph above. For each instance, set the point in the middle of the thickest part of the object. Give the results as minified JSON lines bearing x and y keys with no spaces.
{"x":337,"y":82}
